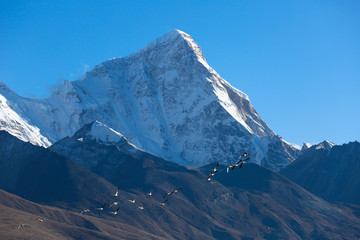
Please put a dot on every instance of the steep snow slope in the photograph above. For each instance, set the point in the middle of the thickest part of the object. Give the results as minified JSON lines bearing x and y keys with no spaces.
{"x":166,"y":100}
{"x":14,"y":124}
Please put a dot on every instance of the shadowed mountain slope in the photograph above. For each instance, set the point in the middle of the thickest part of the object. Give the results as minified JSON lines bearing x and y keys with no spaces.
{"x":42,"y":175}
{"x":331,"y":173}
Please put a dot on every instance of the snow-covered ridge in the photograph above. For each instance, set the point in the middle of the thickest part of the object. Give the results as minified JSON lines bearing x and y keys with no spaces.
{"x":11,"y":122}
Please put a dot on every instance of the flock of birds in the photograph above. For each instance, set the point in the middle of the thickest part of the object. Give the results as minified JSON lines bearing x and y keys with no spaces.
{"x":239,"y":164}
{"x":133,"y":201}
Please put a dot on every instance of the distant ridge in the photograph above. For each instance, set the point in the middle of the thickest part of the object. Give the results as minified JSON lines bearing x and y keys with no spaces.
{"x":329,"y":171}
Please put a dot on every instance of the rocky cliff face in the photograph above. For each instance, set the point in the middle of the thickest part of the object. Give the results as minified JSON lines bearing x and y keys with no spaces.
{"x":166,"y":100}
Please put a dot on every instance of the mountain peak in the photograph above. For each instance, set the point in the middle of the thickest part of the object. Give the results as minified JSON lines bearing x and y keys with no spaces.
{"x":305,"y":146}
{"x":327,"y":145}
{"x":177,"y":43}
{"x":174,"y":34}
{"x":3,"y":87}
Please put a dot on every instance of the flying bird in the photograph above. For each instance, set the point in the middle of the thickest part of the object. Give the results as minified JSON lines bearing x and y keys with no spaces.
{"x":141,"y":207}
{"x":150,"y":193}
{"x":243,"y":155}
{"x":243,"y":162}
{"x":233,"y":166}
{"x":132,"y":201}
{"x":21,"y":226}
{"x":230,"y":166}
{"x":209,"y":177}
{"x":102,"y":207}
{"x":114,"y":204}
{"x":85,"y":211}
{"x":163,"y":203}
{"x":167,"y":194}
{"x":117,"y":192}
{"x":212,"y":173}
{"x":239,"y":162}
{"x":116,"y":211}
{"x":172,"y":192}
{"x":215,"y":170}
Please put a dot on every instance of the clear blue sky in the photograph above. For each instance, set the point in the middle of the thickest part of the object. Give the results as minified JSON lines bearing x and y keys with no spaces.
{"x":299,"y":61}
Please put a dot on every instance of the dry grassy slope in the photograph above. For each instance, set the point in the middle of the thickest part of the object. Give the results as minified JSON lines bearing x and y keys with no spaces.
{"x":58,"y":223}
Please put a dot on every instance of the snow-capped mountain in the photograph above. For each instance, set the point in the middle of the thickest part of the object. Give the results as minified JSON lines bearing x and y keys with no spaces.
{"x":166,"y":100}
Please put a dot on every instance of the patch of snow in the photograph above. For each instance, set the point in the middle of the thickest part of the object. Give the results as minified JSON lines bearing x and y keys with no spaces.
{"x":105,"y":134}
{"x":308,"y":145}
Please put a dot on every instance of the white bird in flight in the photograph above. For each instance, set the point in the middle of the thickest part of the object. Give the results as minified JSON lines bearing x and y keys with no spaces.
{"x":102,"y":207}
{"x":114,"y":204}
{"x":172,"y":192}
{"x":132,"y":201}
{"x":240,"y":161}
{"x":163,"y":203}
{"x":212,"y":173}
{"x":116,"y":211}
{"x":85,"y":211}
{"x":243,"y":162}
{"x":117,"y":192}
